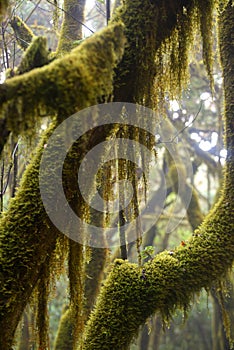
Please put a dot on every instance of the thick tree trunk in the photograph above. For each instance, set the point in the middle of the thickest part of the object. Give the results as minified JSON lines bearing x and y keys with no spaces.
{"x":27,"y":235}
{"x":71,"y":31}
{"x":171,"y":279}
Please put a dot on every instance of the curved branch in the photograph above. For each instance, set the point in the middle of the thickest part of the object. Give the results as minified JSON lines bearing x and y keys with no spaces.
{"x":64,"y":85}
{"x":23,"y":33}
{"x":170,"y":280}
{"x":27,"y":236}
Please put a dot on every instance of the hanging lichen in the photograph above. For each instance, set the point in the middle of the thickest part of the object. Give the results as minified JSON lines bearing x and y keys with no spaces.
{"x":51,"y":270}
{"x":168,"y":281}
{"x":130,"y":293}
{"x":156,"y":61}
{"x":172,"y":278}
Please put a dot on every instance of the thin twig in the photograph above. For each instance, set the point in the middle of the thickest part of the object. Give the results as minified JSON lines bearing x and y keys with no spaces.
{"x":34,"y":9}
{"x":184,"y":128}
{"x":15,"y":173}
{"x":108,"y":11}
{"x":5,"y":52}
{"x":4,"y":188}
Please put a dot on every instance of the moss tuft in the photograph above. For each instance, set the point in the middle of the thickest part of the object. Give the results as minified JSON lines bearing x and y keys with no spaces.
{"x":35,"y":56}
{"x":132,"y":293}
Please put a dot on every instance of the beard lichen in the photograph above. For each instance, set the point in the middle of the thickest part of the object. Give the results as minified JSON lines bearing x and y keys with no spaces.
{"x":129,"y":295}
{"x":171,"y":279}
{"x":156,"y":61}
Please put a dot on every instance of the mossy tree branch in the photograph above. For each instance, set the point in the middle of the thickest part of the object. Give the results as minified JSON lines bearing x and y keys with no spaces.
{"x":171,"y":279}
{"x":27,"y":237}
{"x":35,"y":56}
{"x":72,"y":25}
{"x":23,"y":33}
{"x":64,"y":85}
{"x":128,"y":297}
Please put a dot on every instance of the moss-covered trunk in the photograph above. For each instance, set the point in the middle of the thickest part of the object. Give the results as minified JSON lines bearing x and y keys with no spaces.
{"x":71,"y":31}
{"x":27,"y":237}
{"x":171,"y":278}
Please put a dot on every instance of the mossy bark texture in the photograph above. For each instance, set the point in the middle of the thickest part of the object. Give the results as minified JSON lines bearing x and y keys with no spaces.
{"x":172,"y":278}
{"x":23,"y":33}
{"x":74,"y":82}
{"x":64,"y":337}
{"x":71,"y":31}
{"x":27,"y":237}
{"x":67,"y":84}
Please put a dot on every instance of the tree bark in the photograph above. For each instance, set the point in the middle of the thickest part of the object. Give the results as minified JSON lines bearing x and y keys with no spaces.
{"x":171,"y":280}
{"x":27,"y":236}
{"x":71,"y":31}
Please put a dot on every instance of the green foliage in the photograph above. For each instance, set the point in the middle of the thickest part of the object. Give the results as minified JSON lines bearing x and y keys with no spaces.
{"x":148,"y":252}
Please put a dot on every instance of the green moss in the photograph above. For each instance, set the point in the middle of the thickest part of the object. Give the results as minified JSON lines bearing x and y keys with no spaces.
{"x":71,"y":30}
{"x":26,"y":237}
{"x":65,"y":84}
{"x":35,"y":56}
{"x":64,"y":338}
{"x":131,"y":294}
{"x":156,"y":61}
{"x":23,"y":33}
{"x":76,"y":282}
